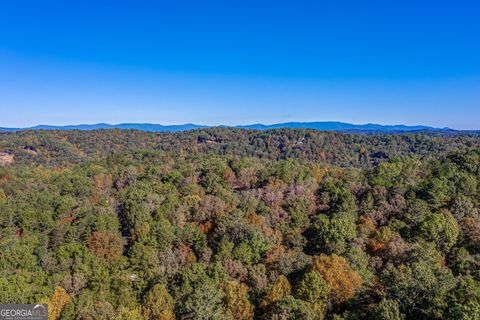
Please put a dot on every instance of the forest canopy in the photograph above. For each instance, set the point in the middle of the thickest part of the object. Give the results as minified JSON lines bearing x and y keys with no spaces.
{"x":241,"y":224}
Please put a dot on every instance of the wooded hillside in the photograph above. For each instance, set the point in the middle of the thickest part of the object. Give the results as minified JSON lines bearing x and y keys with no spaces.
{"x":241,"y":224}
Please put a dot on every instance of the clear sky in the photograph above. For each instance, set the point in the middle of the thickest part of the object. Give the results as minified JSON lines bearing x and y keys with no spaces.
{"x":240,"y":62}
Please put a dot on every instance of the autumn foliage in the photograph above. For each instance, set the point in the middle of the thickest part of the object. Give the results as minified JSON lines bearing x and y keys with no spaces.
{"x":279,"y":289}
{"x":106,"y":244}
{"x":237,"y":301}
{"x":339,"y":276}
{"x":57,"y":303}
{"x":226,"y":224}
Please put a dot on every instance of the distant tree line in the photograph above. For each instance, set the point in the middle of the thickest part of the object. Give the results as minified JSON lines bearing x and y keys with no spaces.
{"x":333,"y":148}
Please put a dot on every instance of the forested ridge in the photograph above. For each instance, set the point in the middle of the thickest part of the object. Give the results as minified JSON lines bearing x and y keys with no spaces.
{"x":333,"y":148}
{"x":241,"y":224}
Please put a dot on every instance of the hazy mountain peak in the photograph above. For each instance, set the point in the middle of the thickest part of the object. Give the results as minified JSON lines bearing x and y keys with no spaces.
{"x":317,"y":125}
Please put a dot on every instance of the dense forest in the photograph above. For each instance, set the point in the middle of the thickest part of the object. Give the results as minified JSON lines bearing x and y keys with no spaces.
{"x":241,"y":224}
{"x":331,"y":148}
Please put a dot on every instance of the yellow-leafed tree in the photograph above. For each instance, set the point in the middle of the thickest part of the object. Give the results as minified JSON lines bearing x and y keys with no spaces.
{"x":280,"y":289}
{"x":57,"y":303}
{"x":237,"y":301}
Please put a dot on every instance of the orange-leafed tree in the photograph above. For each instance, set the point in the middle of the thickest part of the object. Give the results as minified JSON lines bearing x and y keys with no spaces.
{"x":339,"y":276}
{"x":106,"y":244}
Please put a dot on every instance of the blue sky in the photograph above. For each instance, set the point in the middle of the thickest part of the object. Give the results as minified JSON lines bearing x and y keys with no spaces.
{"x":239,"y":62}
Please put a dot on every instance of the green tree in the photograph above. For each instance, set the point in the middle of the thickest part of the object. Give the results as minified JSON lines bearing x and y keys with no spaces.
{"x":440,"y":228}
{"x":421,"y":286}
{"x":158,"y":304}
{"x":388,"y":310}
{"x":331,"y":235}
{"x":200,"y":295}
{"x":313,"y":288}
{"x":315,"y":292}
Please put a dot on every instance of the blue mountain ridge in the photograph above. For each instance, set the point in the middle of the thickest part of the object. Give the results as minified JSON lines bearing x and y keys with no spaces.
{"x":319,"y":125}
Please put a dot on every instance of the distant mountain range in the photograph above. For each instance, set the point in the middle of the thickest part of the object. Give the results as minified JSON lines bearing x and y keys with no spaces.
{"x":324,"y":125}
